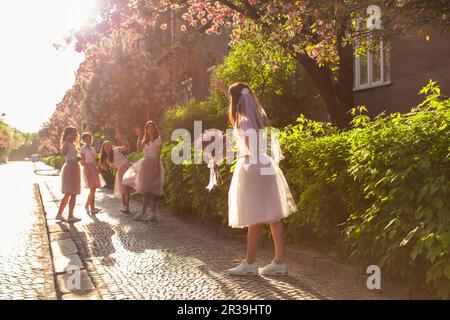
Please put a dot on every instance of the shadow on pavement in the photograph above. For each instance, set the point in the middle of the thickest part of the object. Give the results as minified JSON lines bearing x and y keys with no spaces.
{"x":186,"y":249}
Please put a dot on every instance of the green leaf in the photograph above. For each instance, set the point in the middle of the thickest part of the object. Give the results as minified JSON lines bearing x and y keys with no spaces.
{"x":408,"y":237}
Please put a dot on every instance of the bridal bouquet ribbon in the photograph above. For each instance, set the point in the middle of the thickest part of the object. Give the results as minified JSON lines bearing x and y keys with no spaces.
{"x":214,"y":144}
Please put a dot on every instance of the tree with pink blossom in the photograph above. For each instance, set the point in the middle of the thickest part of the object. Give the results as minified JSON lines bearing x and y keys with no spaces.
{"x":318,"y":34}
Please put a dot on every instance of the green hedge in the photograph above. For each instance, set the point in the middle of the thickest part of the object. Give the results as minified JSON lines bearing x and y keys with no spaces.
{"x":375,"y":194}
{"x":54,"y":161}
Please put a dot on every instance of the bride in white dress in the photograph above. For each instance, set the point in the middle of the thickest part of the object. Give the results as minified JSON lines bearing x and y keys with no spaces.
{"x":258,"y":192}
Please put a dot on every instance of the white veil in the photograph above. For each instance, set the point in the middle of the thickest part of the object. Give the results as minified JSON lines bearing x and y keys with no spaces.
{"x":257,"y":119}
{"x":250,"y":109}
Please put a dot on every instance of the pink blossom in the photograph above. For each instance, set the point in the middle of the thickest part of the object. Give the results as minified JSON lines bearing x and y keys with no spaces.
{"x":271,"y":8}
{"x":286,"y":5}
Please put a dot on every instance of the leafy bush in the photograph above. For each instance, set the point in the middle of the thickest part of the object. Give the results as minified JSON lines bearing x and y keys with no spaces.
{"x":212,"y":113}
{"x":403,"y":166}
{"x":376,"y":194}
{"x":54,"y":161}
{"x":185,"y":189}
{"x":316,"y":168}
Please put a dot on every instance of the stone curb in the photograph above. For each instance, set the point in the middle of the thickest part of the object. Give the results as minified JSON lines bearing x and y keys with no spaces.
{"x":73,"y":281}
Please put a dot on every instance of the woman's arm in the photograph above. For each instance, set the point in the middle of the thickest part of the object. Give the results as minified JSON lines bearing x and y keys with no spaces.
{"x":139,"y":144}
{"x":158,"y":149}
{"x":219,"y":85}
{"x":123,"y":149}
{"x":83,"y":158}
{"x":138,"y":132}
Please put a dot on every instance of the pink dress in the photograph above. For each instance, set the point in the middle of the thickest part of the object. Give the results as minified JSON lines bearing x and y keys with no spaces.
{"x":122,"y":164}
{"x":70,"y":173}
{"x":147,"y":175}
{"x":258,"y":192}
{"x":91,"y":176}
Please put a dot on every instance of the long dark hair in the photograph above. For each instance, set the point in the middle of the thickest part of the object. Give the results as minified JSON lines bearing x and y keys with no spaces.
{"x":105,"y":156}
{"x":235,"y":94}
{"x":147,"y":137}
{"x":68,"y":131}
{"x":234,"y":111}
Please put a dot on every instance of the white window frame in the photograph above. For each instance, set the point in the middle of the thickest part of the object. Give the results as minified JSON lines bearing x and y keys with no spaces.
{"x":209,"y":71}
{"x":186,"y":86}
{"x":370,"y":83}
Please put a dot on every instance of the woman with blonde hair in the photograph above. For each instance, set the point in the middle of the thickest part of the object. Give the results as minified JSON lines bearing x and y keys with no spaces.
{"x":70,"y":174}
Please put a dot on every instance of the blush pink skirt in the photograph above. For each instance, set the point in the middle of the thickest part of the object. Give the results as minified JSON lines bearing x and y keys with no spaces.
{"x":71,"y":178}
{"x":146,"y":176}
{"x":119,"y":187}
{"x":92,"y":177}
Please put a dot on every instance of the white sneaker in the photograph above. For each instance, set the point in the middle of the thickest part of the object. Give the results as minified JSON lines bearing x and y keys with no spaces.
{"x":148,"y":217}
{"x":153,"y":217}
{"x":244,"y":269}
{"x":274,"y":269}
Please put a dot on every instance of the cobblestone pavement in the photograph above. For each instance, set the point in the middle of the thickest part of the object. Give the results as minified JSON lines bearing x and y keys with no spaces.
{"x":26,"y":270}
{"x":175,"y":259}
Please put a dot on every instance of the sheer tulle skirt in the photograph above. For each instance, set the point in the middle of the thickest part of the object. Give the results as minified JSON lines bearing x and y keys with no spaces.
{"x":119,"y":187}
{"x":71,"y":178}
{"x":146,"y":176}
{"x":258,"y":193}
{"x":92,"y":177}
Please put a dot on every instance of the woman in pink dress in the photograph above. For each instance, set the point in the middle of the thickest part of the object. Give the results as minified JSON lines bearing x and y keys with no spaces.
{"x":112,"y":156}
{"x":70,"y":174}
{"x":259,"y":193}
{"x":91,"y":177}
{"x":147,"y":175}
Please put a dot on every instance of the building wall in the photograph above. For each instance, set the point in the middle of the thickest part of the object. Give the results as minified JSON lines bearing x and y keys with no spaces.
{"x":211,"y":51}
{"x":413,"y":62}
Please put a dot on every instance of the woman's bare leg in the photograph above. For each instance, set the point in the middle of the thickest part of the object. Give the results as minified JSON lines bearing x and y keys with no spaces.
{"x":73,"y":200}
{"x":152,"y":203}
{"x":126,"y":200}
{"x":145,"y":202}
{"x":253,"y":238}
{"x":277,"y":236}
{"x":123,"y":199}
{"x":63,"y":204}
{"x":91,"y":199}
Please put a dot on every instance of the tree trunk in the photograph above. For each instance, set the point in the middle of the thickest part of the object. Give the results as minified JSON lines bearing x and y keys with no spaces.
{"x":338,"y":98}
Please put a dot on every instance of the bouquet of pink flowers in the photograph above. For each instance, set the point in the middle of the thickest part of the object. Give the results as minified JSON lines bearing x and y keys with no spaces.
{"x":215,"y":146}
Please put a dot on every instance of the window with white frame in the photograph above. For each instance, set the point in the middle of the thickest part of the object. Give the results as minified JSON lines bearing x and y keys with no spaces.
{"x":209,"y":71}
{"x":372,"y":68}
{"x":186,"y":89}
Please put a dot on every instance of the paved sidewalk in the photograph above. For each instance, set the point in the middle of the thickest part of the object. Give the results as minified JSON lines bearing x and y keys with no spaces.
{"x":26,"y":270}
{"x":175,"y":259}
